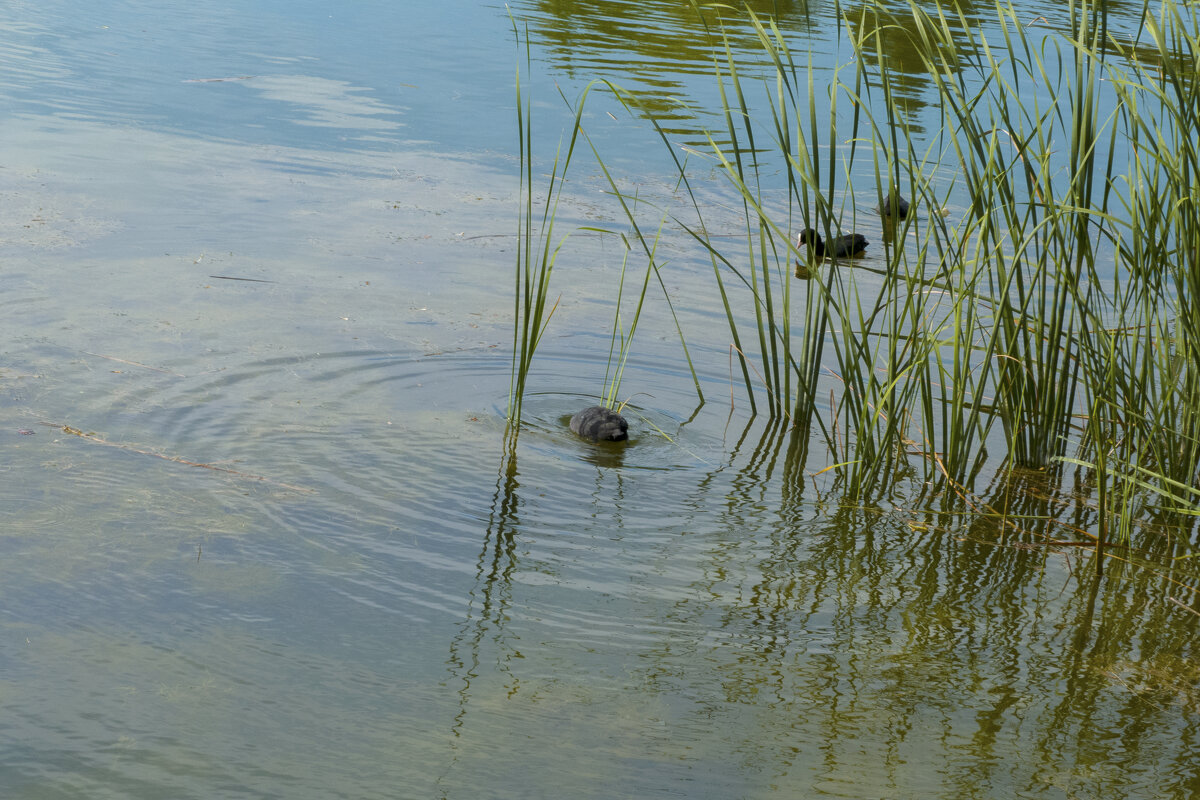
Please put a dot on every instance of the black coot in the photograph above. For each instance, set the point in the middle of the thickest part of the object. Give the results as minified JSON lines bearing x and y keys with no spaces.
{"x":901,"y":206}
{"x":599,"y":423}
{"x":850,"y":244}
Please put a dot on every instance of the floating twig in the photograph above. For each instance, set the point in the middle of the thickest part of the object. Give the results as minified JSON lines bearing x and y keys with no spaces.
{"x":231,"y":278}
{"x":134,"y":364}
{"x":1184,"y":605}
{"x":220,"y":80}
{"x":91,"y":437}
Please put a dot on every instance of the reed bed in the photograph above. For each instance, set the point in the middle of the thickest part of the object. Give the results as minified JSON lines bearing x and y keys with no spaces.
{"x":1049,"y":320}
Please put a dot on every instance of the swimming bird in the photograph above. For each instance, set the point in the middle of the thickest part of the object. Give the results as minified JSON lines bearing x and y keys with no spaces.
{"x":850,"y":244}
{"x":901,"y":206}
{"x":599,"y":423}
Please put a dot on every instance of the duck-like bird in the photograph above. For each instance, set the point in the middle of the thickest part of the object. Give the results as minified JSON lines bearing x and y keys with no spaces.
{"x":599,"y":423}
{"x":899,"y":205}
{"x":850,"y":244}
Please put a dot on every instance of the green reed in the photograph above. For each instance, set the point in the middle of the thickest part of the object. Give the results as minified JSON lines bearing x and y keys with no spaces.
{"x":1047,"y":317}
{"x":538,"y":252}
{"x":1084,"y":366}
{"x":1152,"y":400}
{"x":1009,"y":315}
{"x":622,"y":337}
{"x":537,"y":249}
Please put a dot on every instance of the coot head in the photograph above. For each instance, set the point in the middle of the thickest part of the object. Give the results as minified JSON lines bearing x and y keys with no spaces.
{"x":598,"y":423}
{"x":896,"y":204}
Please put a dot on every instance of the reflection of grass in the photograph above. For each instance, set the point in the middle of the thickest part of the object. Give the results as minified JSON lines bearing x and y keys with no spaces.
{"x":1167,"y":681}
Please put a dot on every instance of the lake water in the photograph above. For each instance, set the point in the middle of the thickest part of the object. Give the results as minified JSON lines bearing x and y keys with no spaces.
{"x":258,"y":537}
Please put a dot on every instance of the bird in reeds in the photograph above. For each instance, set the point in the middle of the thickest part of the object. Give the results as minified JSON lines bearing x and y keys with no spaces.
{"x":894,"y":207}
{"x":600,"y":424}
{"x":844,"y":246}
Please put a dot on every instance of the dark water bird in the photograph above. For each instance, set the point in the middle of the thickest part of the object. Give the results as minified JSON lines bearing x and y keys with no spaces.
{"x":850,"y":244}
{"x":600,"y":424}
{"x":899,"y":204}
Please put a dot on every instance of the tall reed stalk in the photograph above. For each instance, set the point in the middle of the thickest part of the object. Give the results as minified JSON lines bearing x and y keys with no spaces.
{"x":1009,"y":314}
{"x":537,"y":254}
{"x":537,"y":249}
{"x":1049,"y":317}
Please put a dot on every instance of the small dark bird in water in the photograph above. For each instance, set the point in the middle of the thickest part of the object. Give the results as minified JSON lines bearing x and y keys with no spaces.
{"x":599,"y":423}
{"x":850,"y":244}
{"x":901,"y":206}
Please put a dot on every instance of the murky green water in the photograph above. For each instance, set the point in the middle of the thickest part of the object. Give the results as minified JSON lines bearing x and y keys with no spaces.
{"x":257,"y":537}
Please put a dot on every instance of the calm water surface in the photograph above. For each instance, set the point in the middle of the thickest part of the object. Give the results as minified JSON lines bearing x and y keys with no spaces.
{"x":257,"y":539}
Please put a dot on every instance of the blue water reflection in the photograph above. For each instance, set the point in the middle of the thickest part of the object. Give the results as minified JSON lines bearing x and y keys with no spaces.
{"x":268,"y":73}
